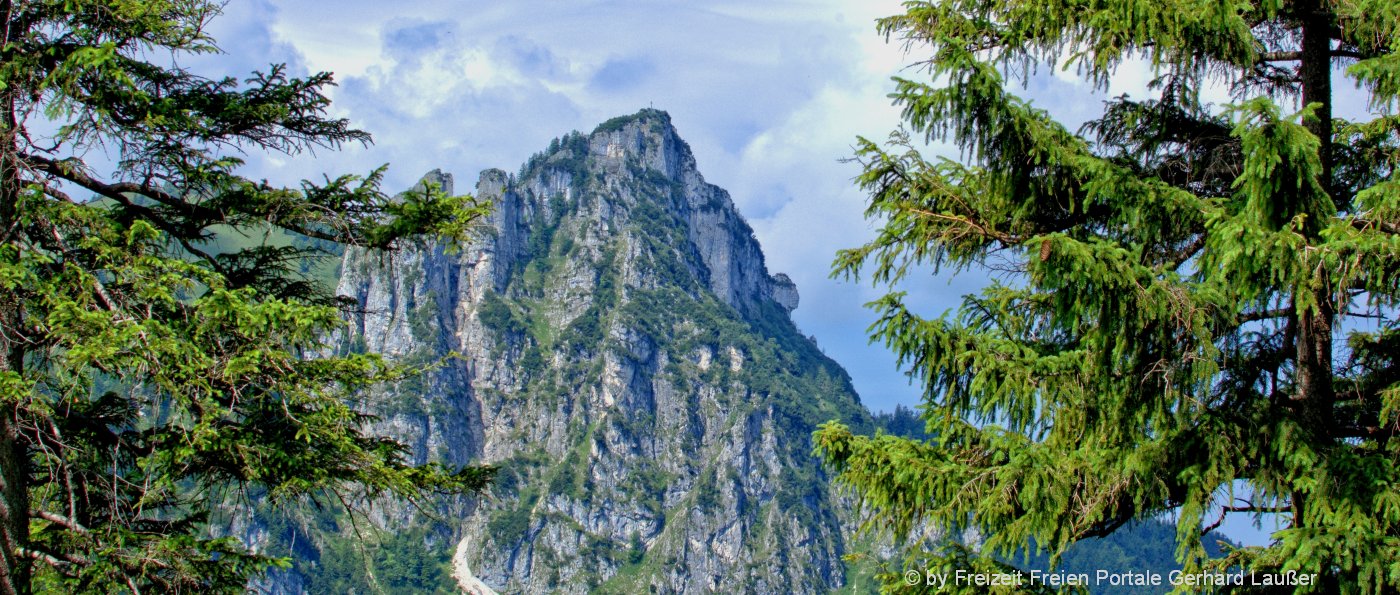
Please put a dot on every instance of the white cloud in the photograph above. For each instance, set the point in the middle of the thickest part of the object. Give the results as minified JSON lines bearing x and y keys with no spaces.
{"x":769,"y":95}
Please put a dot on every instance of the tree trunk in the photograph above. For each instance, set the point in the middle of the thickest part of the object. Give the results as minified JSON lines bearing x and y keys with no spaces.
{"x":14,"y":507}
{"x":14,"y":473}
{"x":1314,"y":347}
{"x":14,"y":463}
{"x":1314,"y":396}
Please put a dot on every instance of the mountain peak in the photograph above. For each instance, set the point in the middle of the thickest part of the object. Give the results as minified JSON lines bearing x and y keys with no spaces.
{"x":644,"y":117}
{"x":636,"y":170}
{"x":621,"y":351}
{"x":646,"y":139}
{"x":629,"y":144}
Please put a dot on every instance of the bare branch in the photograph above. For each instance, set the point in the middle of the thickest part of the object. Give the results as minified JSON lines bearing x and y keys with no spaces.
{"x":1258,"y":509}
{"x":1293,"y":56}
{"x":1368,"y":224}
{"x":117,"y":191}
{"x":54,"y":517}
{"x":1186,"y":252}
{"x":97,"y":286}
{"x":1004,"y":238}
{"x":56,"y":560}
{"x":1263,"y":315}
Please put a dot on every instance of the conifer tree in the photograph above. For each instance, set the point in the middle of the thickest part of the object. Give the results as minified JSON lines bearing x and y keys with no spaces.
{"x":1194,"y":306}
{"x":145,"y":375}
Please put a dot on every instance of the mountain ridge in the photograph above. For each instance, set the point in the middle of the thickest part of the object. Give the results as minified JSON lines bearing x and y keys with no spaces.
{"x":621,"y":351}
{"x":613,"y":341}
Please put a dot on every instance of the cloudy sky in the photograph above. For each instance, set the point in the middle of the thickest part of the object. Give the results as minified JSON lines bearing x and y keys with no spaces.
{"x":771,"y":97}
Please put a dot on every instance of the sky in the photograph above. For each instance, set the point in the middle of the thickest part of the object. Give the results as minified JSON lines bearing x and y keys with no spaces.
{"x":770,"y":96}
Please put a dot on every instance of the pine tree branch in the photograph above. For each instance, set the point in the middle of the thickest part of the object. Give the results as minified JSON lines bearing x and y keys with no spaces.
{"x":1263,"y":315}
{"x":1106,"y":528}
{"x":118,"y":190}
{"x":1224,"y":510}
{"x":1220,"y":520}
{"x":1360,"y":314}
{"x":1293,"y":56}
{"x":62,"y":246}
{"x":55,"y":560}
{"x":1345,"y":52}
{"x":1368,"y":224}
{"x":54,"y":517}
{"x":1257,"y":508}
{"x":1375,"y":432}
{"x":1180,"y":257}
{"x":1005,"y":239}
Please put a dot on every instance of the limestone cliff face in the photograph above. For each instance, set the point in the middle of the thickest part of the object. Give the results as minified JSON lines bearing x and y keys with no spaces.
{"x":627,"y":360}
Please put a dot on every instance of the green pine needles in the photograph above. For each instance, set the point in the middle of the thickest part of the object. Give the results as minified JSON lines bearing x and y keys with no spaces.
{"x":144,"y":376}
{"x":1200,"y":316}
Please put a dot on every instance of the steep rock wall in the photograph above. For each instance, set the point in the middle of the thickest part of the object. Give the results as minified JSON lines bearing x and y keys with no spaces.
{"x":620,"y":350}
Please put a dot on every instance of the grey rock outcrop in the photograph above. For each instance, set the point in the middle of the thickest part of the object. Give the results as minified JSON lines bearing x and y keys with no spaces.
{"x":624,"y":356}
{"x":785,"y":292}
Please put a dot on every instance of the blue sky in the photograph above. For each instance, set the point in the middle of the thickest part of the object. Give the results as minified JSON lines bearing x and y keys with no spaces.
{"x":771,"y":97}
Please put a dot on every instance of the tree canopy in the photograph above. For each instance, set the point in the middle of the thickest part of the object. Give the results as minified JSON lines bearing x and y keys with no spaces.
{"x":1195,"y":309}
{"x":143,"y":375}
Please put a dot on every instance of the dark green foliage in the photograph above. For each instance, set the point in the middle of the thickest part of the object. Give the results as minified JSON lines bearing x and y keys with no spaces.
{"x":799,"y":495}
{"x":603,"y":550}
{"x":532,"y":362}
{"x":540,"y":239}
{"x":615,"y":124}
{"x":651,"y":486}
{"x":186,"y":292}
{"x":568,"y":154}
{"x":422,"y":320}
{"x":706,"y":492}
{"x":659,"y":225}
{"x":390,"y":562}
{"x":636,"y":549}
{"x":1148,"y":546}
{"x":903,"y":422}
{"x":1198,"y":311}
{"x":497,"y":315}
{"x":542,"y":251}
{"x":404,"y":564}
{"x":569,"y":478}
{"x":509,"y":526}
{"x":585,"y":333}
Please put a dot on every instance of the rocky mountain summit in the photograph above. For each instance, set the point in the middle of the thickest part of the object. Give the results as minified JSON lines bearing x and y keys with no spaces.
{"x":616,"y":345}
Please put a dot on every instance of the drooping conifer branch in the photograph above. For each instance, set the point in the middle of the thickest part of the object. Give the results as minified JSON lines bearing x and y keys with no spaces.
{"x":143,"y":373}
{"x":1180,"y":317}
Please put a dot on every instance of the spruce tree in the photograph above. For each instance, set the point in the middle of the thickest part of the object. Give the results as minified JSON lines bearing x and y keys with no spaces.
{"x":144,"y":374}
{"x":1193,"y":310}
